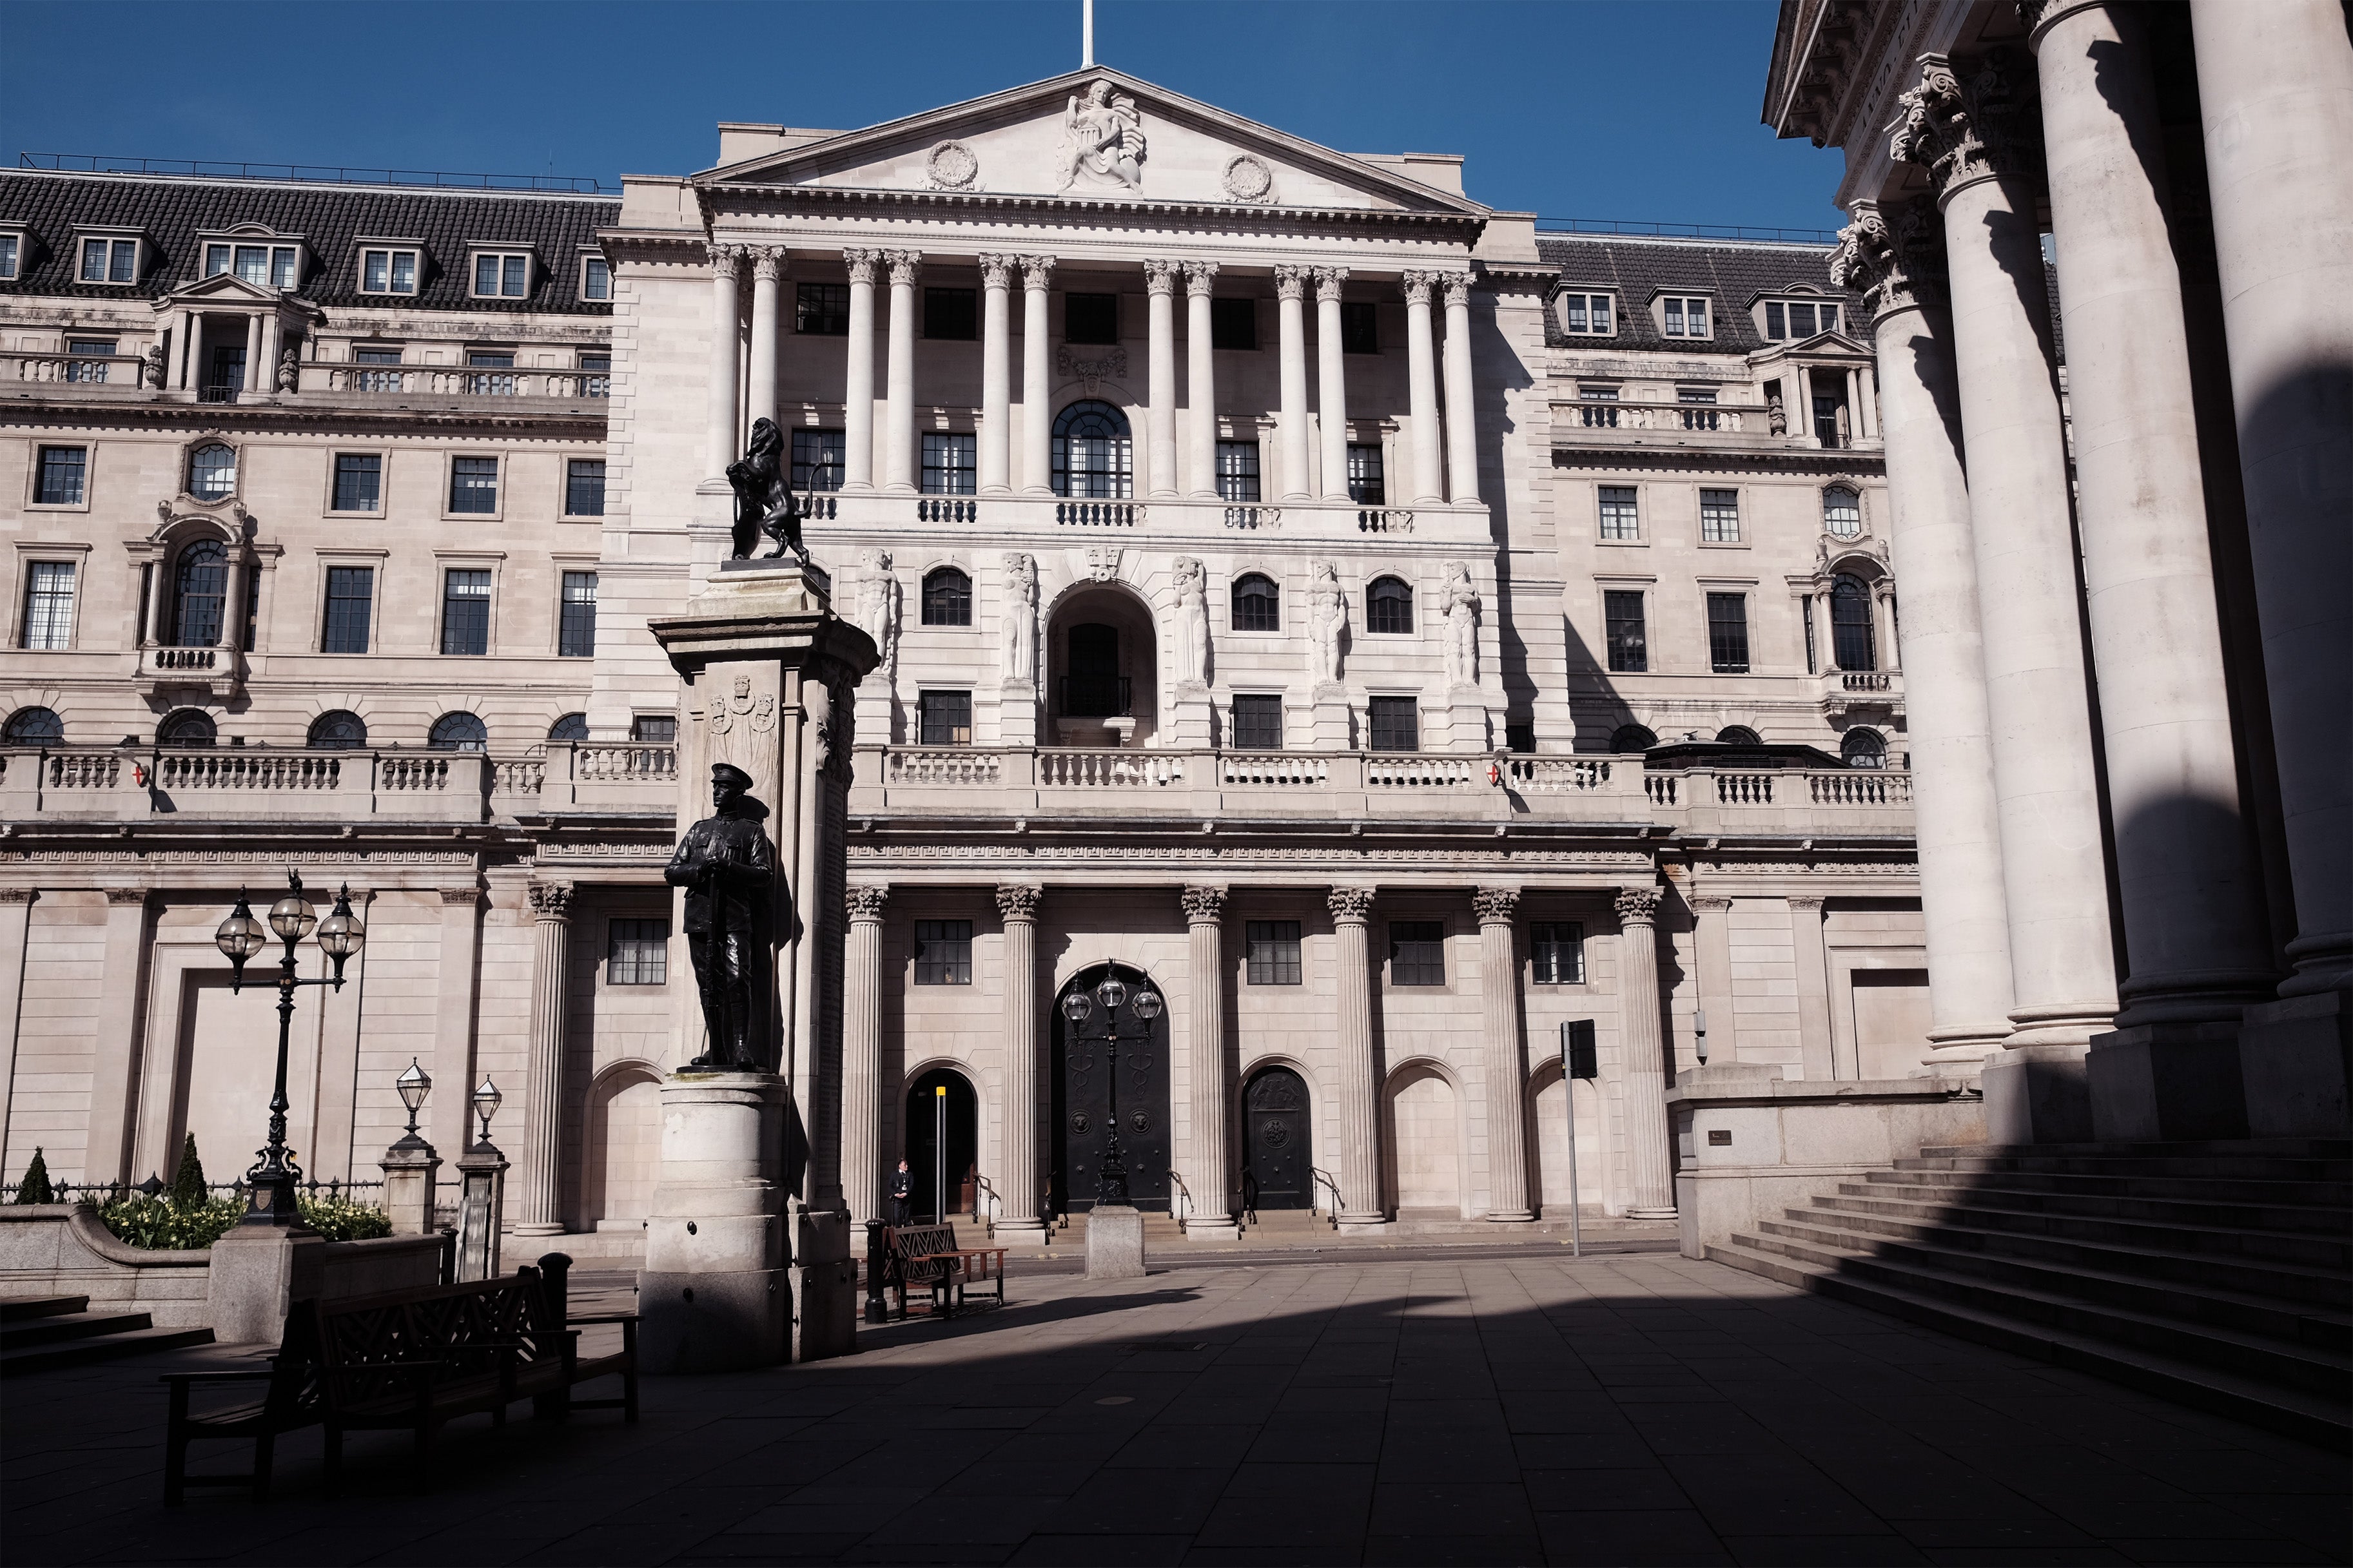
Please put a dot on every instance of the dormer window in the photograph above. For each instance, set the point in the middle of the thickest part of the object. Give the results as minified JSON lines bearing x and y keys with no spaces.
{"x":1684,"y":316}
{"x":387,"y":271}
{"x":1594,"y":315}
{"x":1795,"y":321}
{"x":12,"y":248}
{"x":595,"y":277}
{"x":263,"y":265}
{"x":110,"y":261}
{"x":501,"y":274}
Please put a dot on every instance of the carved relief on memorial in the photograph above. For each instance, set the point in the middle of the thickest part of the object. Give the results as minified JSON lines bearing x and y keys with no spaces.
{"x":1102,"y":141}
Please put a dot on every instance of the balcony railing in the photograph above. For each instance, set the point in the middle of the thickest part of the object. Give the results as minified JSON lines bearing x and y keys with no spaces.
{"x":1676,"y":416}
{"x":452,"y":381}
{"x":1202,"y":520}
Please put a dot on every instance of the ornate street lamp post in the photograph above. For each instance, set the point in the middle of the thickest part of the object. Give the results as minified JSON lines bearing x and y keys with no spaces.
{"x":1143,"y":1006}
{"x":269,"y":1184}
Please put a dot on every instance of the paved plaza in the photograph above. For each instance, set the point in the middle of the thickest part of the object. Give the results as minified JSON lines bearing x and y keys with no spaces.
{"x":1513,"y":1408}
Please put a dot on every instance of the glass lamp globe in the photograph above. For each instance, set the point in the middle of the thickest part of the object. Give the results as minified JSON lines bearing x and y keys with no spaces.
{"x":486,"y":1105}
{"x":414,"y":1086}
{"x":1147,"y":1004}
{"x":240,"y":936}
{"x":341,"y":934}
{"x":292,"y":916}
{"x":1076,"y":1006}
{"x":1111,"y":994}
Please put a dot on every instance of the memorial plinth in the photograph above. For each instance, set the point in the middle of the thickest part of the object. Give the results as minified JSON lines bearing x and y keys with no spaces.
{"x":714,"y":1295}
{"x":1114,"y":1242}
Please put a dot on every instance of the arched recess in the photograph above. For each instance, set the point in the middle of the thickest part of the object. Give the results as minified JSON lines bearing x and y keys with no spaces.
{"x":1422,"y":1144}
{"x":1551,"y":1097}
{"x":621,"y":1151}
{"x":941,"y":1100}
{"x":1102,"y":666}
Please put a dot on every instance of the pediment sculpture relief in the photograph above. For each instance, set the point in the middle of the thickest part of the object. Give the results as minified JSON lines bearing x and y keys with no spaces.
{"x":1102,"y":141}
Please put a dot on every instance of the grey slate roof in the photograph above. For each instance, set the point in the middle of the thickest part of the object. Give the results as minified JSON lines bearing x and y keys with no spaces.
{"x":1730,"y":274}
{"x":331,"y":218}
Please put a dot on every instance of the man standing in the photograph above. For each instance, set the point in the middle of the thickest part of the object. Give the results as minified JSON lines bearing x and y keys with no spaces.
{"x":726,"y":864}
{"x":901,"y":1184}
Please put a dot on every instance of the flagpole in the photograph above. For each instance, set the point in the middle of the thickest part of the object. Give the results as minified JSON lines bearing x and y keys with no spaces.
{"x":1087,"y":36}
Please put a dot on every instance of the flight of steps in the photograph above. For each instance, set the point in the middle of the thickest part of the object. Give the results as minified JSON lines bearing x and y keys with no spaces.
{"x":2219,"y":1275}
{"x":1070,"y":1231}
{"x":39,"y":1333}
{"x":1278,"y":1226}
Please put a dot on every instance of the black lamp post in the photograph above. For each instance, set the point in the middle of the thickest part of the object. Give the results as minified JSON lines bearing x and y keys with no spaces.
{"x":269,"y":1184}
{"x":1144,"y":1005}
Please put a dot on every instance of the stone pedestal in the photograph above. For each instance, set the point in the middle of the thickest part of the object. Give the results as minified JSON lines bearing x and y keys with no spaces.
{"x":411,"y":1171}
{"x":482,"y":1210}
{"x":824,"y":1280}
{"x":256,"y":1273}
{"x":1328,"y":730}
{"x":713,"y":1297}
{"x":1114,"y":1243}
{"x":1466,"y":719}
{"x":2166,"y":1082}
{"x":2037,"y":1094}
{"x":1190,"y":717}
{"x":1016,"y":714}
{"x":2295,"y":1059}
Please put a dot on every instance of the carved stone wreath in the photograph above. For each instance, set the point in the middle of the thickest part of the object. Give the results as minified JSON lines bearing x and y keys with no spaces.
{"x":1247,"y":179}
{"x":952,"y":166}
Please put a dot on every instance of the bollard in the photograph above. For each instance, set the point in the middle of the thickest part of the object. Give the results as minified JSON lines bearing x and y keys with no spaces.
{"x":878,"y":1311}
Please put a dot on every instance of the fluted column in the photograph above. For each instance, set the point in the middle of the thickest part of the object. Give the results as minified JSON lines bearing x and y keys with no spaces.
{"x":1462,"y":415}
{"x":996,"y":375}
{"x":720,"y":446}
{"x":862,"y":1053}
{"x":767,"y":265}
{"x":1210,"y":1170}
{"x":1290,"y":288}
{"x":1024,"y":1182}
{"x":1200,"y":381}
{"x":256,"y":374}
{"x":1507,"y":1110}
{"x":2062,"y":959}
{"x":1160,"y":419}
{"x":1331,"y":380}
{"x":539,"y":1191}
{"x":1421,"y":391}
{"x":1649,"y":1173}
{"x":2275,"y":89}
{"x":1037,"y":392}
{"x":233,"y":598}
{"x":1895,"y":259}
{"x":1359,"y":1165}
{"x":857,"y":379}
{"x":899,"y":437}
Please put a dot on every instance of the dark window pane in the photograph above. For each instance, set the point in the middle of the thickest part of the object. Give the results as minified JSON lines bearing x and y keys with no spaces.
{"x":200,"y":591}
{"x":1556,"y":952}
{"x":1864,"y":748}
{"x":189,"y":727}
{"x":1258,"y":722}
{"x":1367,"y":487}
{"x":575,"y":634}
{"x":1395,"y":723}
{"x":458,"y":732}
{"x":1357,"y":331}
{"x":62,"y":472}
{"x":1777,"y":326}
{"x":1728,"y":634}
{"x":512,"y":280}
{"x":1802,"y":321}
{"x":571,"y":727}
{"x":637,"y":952}
{"x":946,"y":718}
{"x":1233,"y":324}
{"x":1094,"y":455}
{"x":943,"y":952}
{"x":948,"y":459}
{"x":465,"y":613}
{"x":1389,"y":606}
{"x":1238,"y":471}
{"x":583,"y":487}
{"x":351,"y":594}
{"x":654,"y":728}
{"x":824,"y":310}
{"x":947,"y":599}
{"x":359,"y":481}
{"x":952,"y":313}
{"x":1273,"y":949}
{"x":474,"y":484}
{"x":212,"y":468}
{"x":1258,"y":604}
{"x":32,"y":726}
{"x":1630,"y":649}
{"x":337,"y":732}
{"x":1852,"y":642}
{"x":1091,"y":318}
{"x":1417,"y":953}
{"x":817,"y":459}
{"x":597,"y":278}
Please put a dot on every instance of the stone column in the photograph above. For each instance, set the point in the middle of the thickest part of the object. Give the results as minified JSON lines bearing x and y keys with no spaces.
{"x":1816,"y":634}
{"x":996,"y":376}
{"x":862,"y":1056}
{"x":1037,"y":410}
{"x":858,"y":380}
{"x":2063,"y":959}
{"x":1160,"y":419}
{"x":1200,"y":381}
{"x":232,"y":591}
{"x":720,"y":444}
{"x":1882,"y":613}
{"x":1331,"y":382}
{"x":767,"y":265}
{"x":186,"y":346}
{"x":1421,"y":391}
{"x":539,"y":1200}
{"x":16,"y":921}
{"x":899,"y":436}
{"x":1461,"y":415}
{"x":1810,"y":952}
{"x":270,"y":338}
{"x":257,"y":378}
{"x":1211,"y":1172}
{"x":1289,"y":287}
{"x":1507,"y":1111}
{"x":1650,"y":1177}
{"x":1023,"y":1184}
{"x":1359,"y":1165}
{"x":1711,"y":958}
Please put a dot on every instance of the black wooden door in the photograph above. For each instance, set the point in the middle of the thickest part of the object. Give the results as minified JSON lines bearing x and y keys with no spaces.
{"x":1083,"y":1064}
{"x":1277,"y":1147}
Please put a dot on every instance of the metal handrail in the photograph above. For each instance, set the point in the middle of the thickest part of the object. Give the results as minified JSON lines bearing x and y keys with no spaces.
{"x":1317,"y":1174}
{"x":981,"y":1188}
{"x":1183,"y":1191}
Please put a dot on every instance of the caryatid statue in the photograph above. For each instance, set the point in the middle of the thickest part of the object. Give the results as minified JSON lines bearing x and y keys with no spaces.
{"x":1461,"y":607}
{"x":727,"y":864}
{"x":1327,"y":615}
{"x":1018,"y":623}
{"x":1192,"y":621}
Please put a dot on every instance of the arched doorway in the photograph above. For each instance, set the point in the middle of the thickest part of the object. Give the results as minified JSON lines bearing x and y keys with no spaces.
{"x":1083,"y":1096}
{"x":1101,"y":662}
{"x":941,"y":1103}
{"x":1277,"y":1141}
{"x":1424,"y":1148}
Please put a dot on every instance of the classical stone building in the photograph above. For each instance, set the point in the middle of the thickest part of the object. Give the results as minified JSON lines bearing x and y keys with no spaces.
{"x":1397,"y":638}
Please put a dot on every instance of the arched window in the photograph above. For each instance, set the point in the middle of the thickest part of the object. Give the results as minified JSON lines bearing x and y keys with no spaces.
{"x":1093,"y":457}
{"x":1629,"y":738}
{"x":1738,"y":735}
{"x":211,"y":471}
{"x":33,"y":727}
{"x":199,"y":594}
{"x":189,"y":727}
{"x":947,"y":597}
{"x":1864,"y":748}
{"x":1389,"y":606}
{"x":339,"y":730}
{"x":571,"y":727}
{"x":1842,"y":512}
{"x":1852,"y":642}
{"x":1258,"y":603}
{"x":458,"y":732}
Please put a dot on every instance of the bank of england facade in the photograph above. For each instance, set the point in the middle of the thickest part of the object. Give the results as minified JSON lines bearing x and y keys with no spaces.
{"x":1391,"y":632}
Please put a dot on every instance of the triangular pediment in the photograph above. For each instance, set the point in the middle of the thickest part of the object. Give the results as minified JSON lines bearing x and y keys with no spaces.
{"x":224,"y":289}
{"x":1095,"y":134}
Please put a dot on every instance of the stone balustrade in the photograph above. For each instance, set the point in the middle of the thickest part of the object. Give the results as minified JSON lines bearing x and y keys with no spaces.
{"x":73,"y":370}
{"x":1195,"y":519}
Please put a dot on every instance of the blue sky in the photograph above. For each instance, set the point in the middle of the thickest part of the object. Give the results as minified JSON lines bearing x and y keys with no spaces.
{"x":1574,"y":108}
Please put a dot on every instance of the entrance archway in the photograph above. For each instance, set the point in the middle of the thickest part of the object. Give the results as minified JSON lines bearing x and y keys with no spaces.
{"x":1277,"y":1141}
{"x":941,"y":1100}
{"x":1102,"y":667}
{"x":1083,"y":1092}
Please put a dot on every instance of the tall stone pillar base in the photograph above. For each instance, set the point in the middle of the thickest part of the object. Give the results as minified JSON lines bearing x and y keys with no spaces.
{"x":1016,"y":714}
{"x":411,"y":1172}
{"x":824,"y":1285}
{"x":1466,"y":720}
{"x":1191,"y":720}
{"x":1114,"y":1243}
{"x":1328,"y":730}
{"x":2037,"y":1094}
{"x":2166,"y":1082}
{"x":714,"y":1295}
{"x":2295,"y":1060}
{"x":257,"y":1274}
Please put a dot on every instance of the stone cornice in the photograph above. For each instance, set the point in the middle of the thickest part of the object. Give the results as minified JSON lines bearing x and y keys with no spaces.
{"x":964,"y":208}
{"x":257,"y":417}
{"x":1747,"y":459}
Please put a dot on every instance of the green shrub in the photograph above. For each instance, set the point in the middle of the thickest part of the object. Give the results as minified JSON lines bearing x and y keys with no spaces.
{"x":342,"y":1218}
{"x":161,"y":1224}
{"x":35,"y":1188}
{"x":188,"y":1181}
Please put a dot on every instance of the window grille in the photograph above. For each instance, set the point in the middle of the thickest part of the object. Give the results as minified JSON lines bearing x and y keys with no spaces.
{"x":1852,"y":640}
{"x":654,"y":728}
{"x":339,"y":730}
{"x":1257,"y":721}
{"x":1094,"y":455}
{"x":823,"y":309}
{"x":1367,"y":486}
{"x":570,"y":727}
{"x":63,"y":469}
{"x":465,"y":613}
{"x":1417,"y":953}
{"x":637,"y":953}
{"x":943,"y":952}
{"x":1238,"y":471}
{"x":211,"y":471}
{"x":583,"y":487}
{"x":1719,"y":517}
{"x":575,"y":632}
{"x":351,"y":601}
{"x":1620,"y":519}
{"x":200,"y":595}
{"x":1274,"y":952}
{"x":817,"y":459}
{"x":1842,"y":512}
{"x":1389,"y":606}
{"x":597,"y":278}
{"x":474,"y":485}
{"x":1630,"y":642}
{"x":359,"y":481}
{"x":947,"y":599}
{"x":1727,"y":633}
{"x":48,"y":605}
{"x":1395,"y":723}
{"x":1556,"y":952}
{"x":945,"y":717}
{"x":949,"y":457}
{"x":1257,"y":604}
{"x":33,"y":727}
{"x":458,"y":732}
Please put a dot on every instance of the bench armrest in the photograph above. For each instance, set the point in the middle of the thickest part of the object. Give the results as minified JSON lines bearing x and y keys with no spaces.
{"x":255,"y":1376}
{"x":601,"y":1318}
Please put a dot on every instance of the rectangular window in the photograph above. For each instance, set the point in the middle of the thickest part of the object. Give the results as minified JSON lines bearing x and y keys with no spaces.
{"x":1629,"y":642}
{"x":583,"y":487}
{"x":952,"y":314}
{"x":1233,"y":324}
{"x":474,"y":484}
{"x":375,"y":356}
{"x":948,"y":459}
{"x":1258,"y":722}
{"x":465,"y":613}
{"x":1686,"y":317}
{"x":1395,"y":723}
{"x":1367,"y":485}
{"x":62,"y":472}
{"x":654,"y":728}
{"x":946,"y":718}
{"x":575,"y":632}
{"x":1358,"y":331}
{"x":110,"y":261}
{"x":375,"y":380}
{"x":1777,"y":324}
{"x":1802,"y":321}
{"x":1273,"y":949}
{"x":597,"y":376}
{"x":1417,"y":953}
{"x":489,"y":386}
{"x":1620,"y":519}
{"x":1806,"y":617}
{"x":387,"y":272}
{"x":1600,"y":408}
{"x":1694,"y":395}
{"x":595,"y":279}
{"x":1091,"y":318}
{"x":823,"y":309}
{"x":48,"y":605}
{"x":943,"y":952}
{"x":282,"y":267}
{"x":817,"y":459}
{"x":1830,"y":318}
{"x":7,"y":255}
{"x":1556,"y":952}
{"x":1238,"y":471}
{"x":351,"y":599}
{"x":1719,"y":517}
{"x":252,"y":263}
{"x":637,"y":953}
{"x":1727,"y":633}
{"x":1589,"y":313}
{"x":359,"y":481}
{"x":1674,"y":310}
{"x":88,"y":348}
{"x":501,"y":276}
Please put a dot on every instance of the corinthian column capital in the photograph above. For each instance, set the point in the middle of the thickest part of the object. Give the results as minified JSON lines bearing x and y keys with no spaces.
{"x":767,"y":263}
{"x":1290,"y":282}
{"x":1328,"y":282}
{"x":1200,"y":276}
{"x":1037,"y":271}
{"x":1019,"y":900}
{"x":1160,"y":276}
{"x":997,"y":270}
{"x":727,"y":260}
{"x":550,"y":901}
{"x":1638,"y":906}
{"x":1495,"y":906}
{"x":905,"y":266}
{"x":1964,"y":123}
{"x":866,"y":900}
{"x":1350,"y":905}
{"x":1458,"y":288}
{"x":1416,"y":286}
{"x":1203,"y":906}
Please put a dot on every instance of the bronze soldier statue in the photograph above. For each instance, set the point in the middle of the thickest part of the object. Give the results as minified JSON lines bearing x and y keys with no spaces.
{"x":726,"y":864}
{"x":763,"y":497}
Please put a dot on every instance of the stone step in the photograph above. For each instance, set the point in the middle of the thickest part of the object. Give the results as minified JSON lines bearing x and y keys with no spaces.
{"x":58,"y":1327}
{"x":2326,"y":1202}
{"x":2335,"y":1175}
{"x":2310,"y":1416}
{"x":2290,"y":1224}
{"x":104,"y":1347}
{"x":17,"y":1309}
{"x":2278,"y":1148}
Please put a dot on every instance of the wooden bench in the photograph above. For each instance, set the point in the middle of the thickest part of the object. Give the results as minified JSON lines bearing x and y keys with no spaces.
{"x":928,"y":1254}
